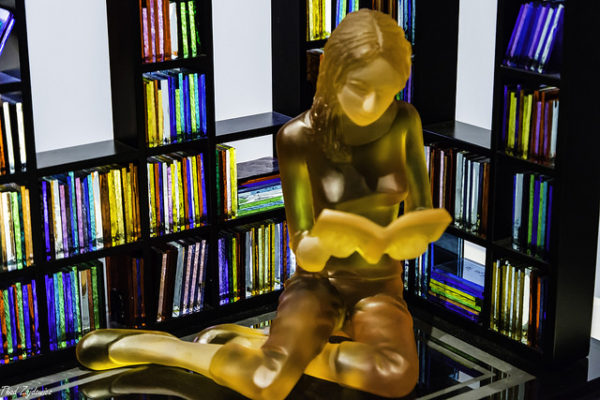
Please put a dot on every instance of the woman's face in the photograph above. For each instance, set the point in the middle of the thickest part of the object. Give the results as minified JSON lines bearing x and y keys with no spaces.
{"x":368,"y":91}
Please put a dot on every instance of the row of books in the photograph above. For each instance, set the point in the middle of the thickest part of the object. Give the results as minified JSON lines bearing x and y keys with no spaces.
{"x":253,"y":259}
{"x":125,"y":291}
{"x":318,"y":19}
{"x":19,"y":322}
{"x":259,"y":186}
{"x":73,"y":299}
{"x":175,"y":106}
{"x":536,"y":36}
{"x":460,"y":183}
{"x":179,"y":269}
{"x":406,"y":18}
{"x":532,"y":213}
{"x":518,"y":304}
{"x":169,"y":29}
{"x":530,"y":122}
{"x":13,"y":151}
{"x":344,"y":7}
{"x":90,"y":209}
{"x":15,"y":232}
{"x":176,"y":193}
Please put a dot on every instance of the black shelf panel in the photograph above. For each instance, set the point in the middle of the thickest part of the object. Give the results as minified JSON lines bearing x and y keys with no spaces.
{"x":84,"y":156}
{"x":527,"y":165}
{"x":250,"y":126}
{"x":315,"y":44}
{"x":19,"y":177}
{"x":202,"y":230}
{"x":38,"y":365}
{"x":52,"y":266}
{"x":9,"y":82}
{"x":200,"y":145}
{"x":503,"y":248}
{"x":19,"y":275}
{"x":466,"y":235}
{"x":529,"y":77}
{"x":278,"y":213}
{"x":201,"y":64}
{"x":460,"y":135}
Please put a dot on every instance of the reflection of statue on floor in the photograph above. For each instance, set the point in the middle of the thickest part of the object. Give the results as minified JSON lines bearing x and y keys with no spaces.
{"x":346,"y":165}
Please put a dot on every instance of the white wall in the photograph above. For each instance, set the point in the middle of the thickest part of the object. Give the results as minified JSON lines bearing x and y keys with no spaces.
{"x":70,"y":75}
{"x":475,"y":75}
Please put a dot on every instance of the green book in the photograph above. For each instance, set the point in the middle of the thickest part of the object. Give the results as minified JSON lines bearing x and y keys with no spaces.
{"x":531,"y":205}
{"x":75,"y":300}
{"x":20,"y":317}
{"x":14,"y":205}
{"x":184,"y":30}
{"x":541,"y":227}
{"x":8,"y":321}
{"x":178,"y":121}
{"x":61,"y":311}
{"x":193,"y":32}
{"x":192,"y":79}
{"x":95,"y":296}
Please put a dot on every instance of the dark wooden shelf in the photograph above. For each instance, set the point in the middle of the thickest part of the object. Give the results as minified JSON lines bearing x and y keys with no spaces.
{"x":19,"y":177}
{"x":20,"y":275}
{"x":248,"y":219}
{"x":503,"y":248}
{"x":54,"y":265}
{"x":315,"y":44}
{"x":84,"y":156}
{"x":523,"y":76}
{"x":192,"y":145}
{"x":202,"y":230}
{"x":460,"y":135}
{"x":201,"y":64}
{"x":250,"y":126}
{"x":528,"y":165}
{"x":467,"y":235}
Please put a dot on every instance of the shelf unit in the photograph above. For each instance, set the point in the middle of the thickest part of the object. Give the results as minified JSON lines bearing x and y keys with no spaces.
{"x":128,"y":146}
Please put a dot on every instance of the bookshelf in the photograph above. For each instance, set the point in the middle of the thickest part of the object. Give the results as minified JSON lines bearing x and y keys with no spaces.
{"x":570,"y":263}
{"x":129,"y":148}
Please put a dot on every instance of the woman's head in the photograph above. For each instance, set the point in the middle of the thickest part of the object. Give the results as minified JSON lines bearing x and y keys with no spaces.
{"x":367,"y":54}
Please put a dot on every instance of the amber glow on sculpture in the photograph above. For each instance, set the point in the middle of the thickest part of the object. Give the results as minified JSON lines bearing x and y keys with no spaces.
{"x":346,"y":165}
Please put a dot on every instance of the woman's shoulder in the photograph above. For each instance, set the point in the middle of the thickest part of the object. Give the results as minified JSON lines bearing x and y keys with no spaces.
{"x":405,"y":111}
{"x":296,"y":131}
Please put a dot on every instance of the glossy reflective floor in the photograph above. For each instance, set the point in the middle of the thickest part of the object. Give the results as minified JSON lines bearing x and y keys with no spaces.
{"x":449,"y":369}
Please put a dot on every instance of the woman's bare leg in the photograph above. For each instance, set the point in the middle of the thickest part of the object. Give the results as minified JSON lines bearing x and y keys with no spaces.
{"x":383,"y":358}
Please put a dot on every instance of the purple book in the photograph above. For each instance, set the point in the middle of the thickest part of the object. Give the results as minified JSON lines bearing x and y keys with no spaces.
{"x":51,"y":314}
{"x":26,"y":318}
{"x":534,"y":149}
{"x":547,"y":130}
{"x":82,"y":244}
{"x":69,"y":325}
{"x":47,"y":221}
{"x":223,"y":272}
{"x":553,"y":36}
{"x":515,"y":33}
{"x":525,"y":36}
{"x":530,"y":33}
{"x":542,"y":13}
{"x":36,"y":318}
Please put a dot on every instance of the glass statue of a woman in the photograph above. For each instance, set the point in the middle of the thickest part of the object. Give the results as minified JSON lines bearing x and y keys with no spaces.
{"x":346,"y":166}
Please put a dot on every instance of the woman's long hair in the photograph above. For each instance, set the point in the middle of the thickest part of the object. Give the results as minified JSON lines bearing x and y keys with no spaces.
{"x":360,"y":38}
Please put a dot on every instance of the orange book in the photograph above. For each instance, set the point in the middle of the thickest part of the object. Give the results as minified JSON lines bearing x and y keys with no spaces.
{"x":2,"y":160}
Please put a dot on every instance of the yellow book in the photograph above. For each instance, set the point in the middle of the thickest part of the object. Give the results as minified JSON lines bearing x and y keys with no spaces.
{"x":181,"y":219}
{"x":509,"y":300}
{"x":527,"y":107}
{"x":457,"y":292}
{"x":495,"y":296}
{"x":174,"y":196}
{"x":234,"y":265}
{"x":126,"y":188}
{"x":135,"y":200}
{"x":160,"y":134}
{"x":272,"y":232}
{"x":27,"y":227}
{"x":261,"y":259}
{"x":505,"y":299}
{"x":453,"y":294}
{"x":150,"y":114}
{"x":518,"y":304}
{"x":113,"y":209}
{"x":151,"y":200}
{"x":119,"y":203}
{"x":197,"y":213}
{"x":234,"y":185}
{"x":512,"y":116}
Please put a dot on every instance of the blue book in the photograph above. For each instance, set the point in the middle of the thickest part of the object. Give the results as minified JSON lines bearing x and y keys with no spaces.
{"x":13,"y":319}
{"x":181,"y":134}
{"x":196,"y":107}
{"x":51,"y":312}
{"x":523,"y":27}
{"x":92,"y":213}
{"x":26,"y":319}
{"x":222,"y":259}
{"x":510,"y":51}
{"x":536,"y":36}
{"x":187,"y":107}
{"x":459,"y":283}
{"x":203,"y":117}
{"x":47,"y":221}
{"x":7,"y":22}
{"x":172,"y":110}
{"x":68,"y":297}
{"x":553,"y":39}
